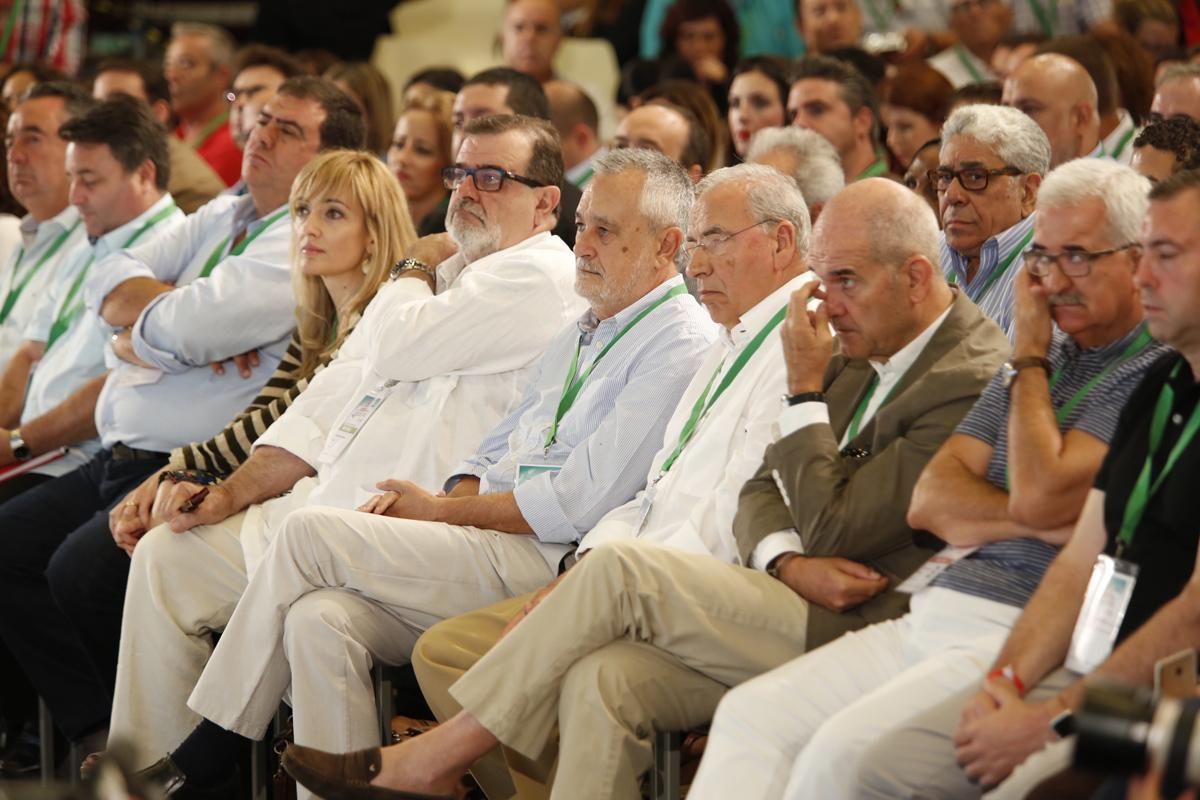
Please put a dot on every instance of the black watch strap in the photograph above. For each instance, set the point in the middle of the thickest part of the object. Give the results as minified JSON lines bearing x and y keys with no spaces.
{"x":805,"y":397}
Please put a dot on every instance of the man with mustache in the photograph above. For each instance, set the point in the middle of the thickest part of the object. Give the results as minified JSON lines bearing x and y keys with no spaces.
{"x":420,"y":383}
{"x":991,"y":163}
{"x":1005,"y":490}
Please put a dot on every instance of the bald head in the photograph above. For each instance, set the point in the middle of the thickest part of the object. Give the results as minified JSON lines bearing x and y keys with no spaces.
{"x":1058,"y":94}
{"x":655,"y":127}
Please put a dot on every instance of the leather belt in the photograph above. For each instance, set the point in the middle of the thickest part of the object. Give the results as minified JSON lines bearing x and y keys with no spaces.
{"x":122,"y":453}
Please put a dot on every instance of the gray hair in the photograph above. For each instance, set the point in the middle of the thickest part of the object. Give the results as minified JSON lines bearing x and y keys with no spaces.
{"x":667,"y":194}
{"x":220,"y":41}
{"x":1178,"y":72}
{"x":770,"y":195}
{"x":1016,"y":139}
{"x":1125,"y":194}
{"x":818,"y":170}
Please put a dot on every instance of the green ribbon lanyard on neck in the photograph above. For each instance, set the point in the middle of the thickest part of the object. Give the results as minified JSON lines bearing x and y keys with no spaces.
{"x":969,"y":65}
{"x":859,"y":412}
{"x":882,"y":19}
{"x":879,"y":167}
{"x":9,"y":27}
{"x":583,"y":179}
{"x":1139,"y":343}
{"x":1146,"y":486}
{"x":211,"y":128}
{"x":573,"y":383}
{"x":219,"y":253}
{"x":1122,"y":143}
{"x":1002,"y":267}
{"x":19,"y":283}
{"x":705,"y":402}
{"x":70,"y":309}
{"x":1048,"y":20}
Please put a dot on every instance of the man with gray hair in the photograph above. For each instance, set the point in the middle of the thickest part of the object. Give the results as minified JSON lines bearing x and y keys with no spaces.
{"x":851,"y":720}
{"x":1177,"y":93}
{"x":652,"y":629}
{"x":991,"y":163}
{"x":806,"y":157}
{"x":198,"y":66}
{"x":575,"y":447}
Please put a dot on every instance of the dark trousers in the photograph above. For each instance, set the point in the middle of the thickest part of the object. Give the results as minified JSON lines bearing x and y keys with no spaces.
{"x":62,"y":587}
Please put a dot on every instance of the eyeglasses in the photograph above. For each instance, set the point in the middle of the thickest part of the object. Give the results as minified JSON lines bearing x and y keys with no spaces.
{"x":715,"y":244}
{"x":973,"y":179}
{"x":246,"y":91}
{"x":1073,"y":263}
{"x":486,"y":179}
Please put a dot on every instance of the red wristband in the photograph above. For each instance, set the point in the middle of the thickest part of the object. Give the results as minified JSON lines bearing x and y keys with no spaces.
{"x":1009,"y":674}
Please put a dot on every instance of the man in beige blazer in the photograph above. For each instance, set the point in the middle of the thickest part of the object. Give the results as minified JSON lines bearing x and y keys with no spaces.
{"x":639,"y":636}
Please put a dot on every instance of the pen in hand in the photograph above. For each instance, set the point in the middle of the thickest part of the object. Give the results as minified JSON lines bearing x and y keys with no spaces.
{"x":194,"y":501}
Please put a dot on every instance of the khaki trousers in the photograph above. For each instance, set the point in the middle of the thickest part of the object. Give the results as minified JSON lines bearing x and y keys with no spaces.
{"x":636,"y":638}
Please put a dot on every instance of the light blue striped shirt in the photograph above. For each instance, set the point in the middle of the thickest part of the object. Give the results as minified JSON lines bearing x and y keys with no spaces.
{"x":997,"y":301}
{"x":607,"y":438}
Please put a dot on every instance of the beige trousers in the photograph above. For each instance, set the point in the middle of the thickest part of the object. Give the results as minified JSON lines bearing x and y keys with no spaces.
{"x":182,"y":588}
{"x":636,"y":638}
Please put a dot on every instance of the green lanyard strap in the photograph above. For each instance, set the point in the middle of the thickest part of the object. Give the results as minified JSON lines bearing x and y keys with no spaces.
{"x":1048,"y":20}
{"x":219,"y":253}
{"x":879,"y":167}
{"x":19,"y":285}
{"x":1002,"y":267}
{"x":9,"y":27}
{"x":211,"y":128}
{"x":574,"y":384}
{"x":968,"y":64}
{"x":70,"y":309}
{"x":881,"y":18}
{"x":856,"y":420}
{"x":1145,"y":487}
{"x":704,"y":402}
{"x":1122,"y":143}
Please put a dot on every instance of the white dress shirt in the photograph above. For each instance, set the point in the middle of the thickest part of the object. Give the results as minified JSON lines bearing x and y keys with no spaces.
{"x":77,"y":356}
{"x":692,"y":506}
{"x":961,"y":67}
{"x":245,"y":304}
{"x":1118,"y":145}
{"x":36,"y":241}
{"x":460,"y":360}
{"x":793,"y":418}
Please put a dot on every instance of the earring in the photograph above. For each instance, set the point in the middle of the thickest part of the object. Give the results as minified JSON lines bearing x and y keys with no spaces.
{"x":366,"y":263}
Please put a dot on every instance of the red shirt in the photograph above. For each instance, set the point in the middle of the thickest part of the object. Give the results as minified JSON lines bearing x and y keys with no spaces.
{"x":220,"y":152}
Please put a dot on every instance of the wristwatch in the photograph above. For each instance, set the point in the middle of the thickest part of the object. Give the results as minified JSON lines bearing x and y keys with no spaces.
{"x":804,"y":397}
{"x":20,"y":450}
{"x":778,"y":561}
{"x":1011,"y":368}
{"x":187,"y":476}
{"x":412,"y":263}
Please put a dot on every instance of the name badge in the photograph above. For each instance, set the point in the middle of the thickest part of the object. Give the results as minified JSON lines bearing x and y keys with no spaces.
{"x":1108,"y":594}
{"x":340,"y":438}
{"x":647,"y":503}
{"x":927,"y":572}
{"x":527,"y":471}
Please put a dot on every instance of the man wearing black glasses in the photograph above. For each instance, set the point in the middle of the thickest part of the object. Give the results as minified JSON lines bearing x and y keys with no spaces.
{"x":991,"y":164}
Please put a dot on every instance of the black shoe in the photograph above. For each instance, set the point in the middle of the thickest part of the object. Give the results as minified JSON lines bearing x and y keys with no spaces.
{"x":167,"y":778}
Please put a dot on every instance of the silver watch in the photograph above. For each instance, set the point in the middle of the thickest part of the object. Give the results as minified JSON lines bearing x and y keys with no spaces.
{"x":412,"y":263}
{"x":20,"y":450}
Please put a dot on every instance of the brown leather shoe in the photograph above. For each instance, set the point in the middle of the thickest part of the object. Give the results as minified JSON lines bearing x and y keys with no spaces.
{"x":343,"y":776}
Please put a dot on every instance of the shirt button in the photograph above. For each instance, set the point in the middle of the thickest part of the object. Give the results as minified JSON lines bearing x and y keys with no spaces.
{"x":1177,"y":419}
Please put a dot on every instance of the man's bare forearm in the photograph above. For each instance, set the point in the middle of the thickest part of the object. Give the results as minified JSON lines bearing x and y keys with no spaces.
{"x":269,"y":472}
{"x":122,"y":345}
{"x":14,"y":381}
{"x":124,"y":304}
{"x":959,"y":507}
{"x":70,"y":422}
{"x":497,"y":512}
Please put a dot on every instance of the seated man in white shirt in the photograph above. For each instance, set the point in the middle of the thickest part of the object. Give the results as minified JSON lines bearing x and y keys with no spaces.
{"x":118,"y":168}
{"x":215,"y":286}
{"x":413,"y":391}
{"x":748,"y":237}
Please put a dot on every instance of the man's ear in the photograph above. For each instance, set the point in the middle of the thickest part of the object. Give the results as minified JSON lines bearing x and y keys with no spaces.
{"x":549,"y":198}
{"x":1029,"y":190}
{"x":785,"y":241}
{"x":695,"y":172}
{"x":670,"y":244}
{"x":919,"y":273}
{"x":864,"y":121}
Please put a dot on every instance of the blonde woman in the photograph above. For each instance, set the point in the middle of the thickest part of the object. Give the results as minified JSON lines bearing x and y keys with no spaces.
{"x":350,"y":224}
{"x":421,"y":150}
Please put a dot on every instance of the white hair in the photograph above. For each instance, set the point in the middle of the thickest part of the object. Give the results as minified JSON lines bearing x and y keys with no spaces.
{"x":667,"y":193}
{"x":1178,"y":72}
{"x":1125,"y":194}
{"x":818,"y":170}
{"x":220,"y":41}
{"x":1016,"y":139}
{"x":770,"y":195}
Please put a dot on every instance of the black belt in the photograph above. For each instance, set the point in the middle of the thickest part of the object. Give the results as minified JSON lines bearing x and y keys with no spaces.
{"x":122,"y":453}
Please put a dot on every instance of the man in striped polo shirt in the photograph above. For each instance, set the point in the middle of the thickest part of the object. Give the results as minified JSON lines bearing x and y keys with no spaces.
{"x":1004,"y":491}
{"x":991,"y":164}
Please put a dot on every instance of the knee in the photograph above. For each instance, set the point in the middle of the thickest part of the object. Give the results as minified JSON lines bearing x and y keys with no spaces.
{"x":301,"y":531}
{"x":436,"y":647}
{"x":314,"y":623}
{"x":599,"y":684}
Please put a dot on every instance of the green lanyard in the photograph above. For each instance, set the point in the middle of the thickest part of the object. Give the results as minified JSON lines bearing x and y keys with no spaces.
{"x":69,"y":310}
{"x":1123,"y":142}
{"x":574,"y":383}
{"x":882,"y":20}
{"x":969,"y":65}
{"x":211,"y":128}
{"x":14,"y":294}
{"x":10,"y":27}
{"x":873,"y":171}
{"x":856,"y":420}
{"x":1002,"y":267}
{"x":1140,"y":343}
{"x":704,"y":402}
{"x":1047,"y":20}
{"x":219,"y":253}
{"x":1145,"y":488}
{"x":583,"y":179}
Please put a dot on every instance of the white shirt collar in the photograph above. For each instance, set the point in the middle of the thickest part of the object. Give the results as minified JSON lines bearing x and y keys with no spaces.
{"x":115,"y":239}
{"x":31,"y":228}
{"x":895,"y":367}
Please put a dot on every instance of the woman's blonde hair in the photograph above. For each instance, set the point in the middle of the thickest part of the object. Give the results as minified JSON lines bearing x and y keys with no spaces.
{"x":362,"y":176}
{"x":440,"y":104}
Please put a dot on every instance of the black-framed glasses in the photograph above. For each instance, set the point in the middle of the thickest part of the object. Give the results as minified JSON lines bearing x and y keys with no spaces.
{"x":973,"y":179}
{"x":715,"y":243}
{"x":487,"y":179}
{"x":1073,"y":263}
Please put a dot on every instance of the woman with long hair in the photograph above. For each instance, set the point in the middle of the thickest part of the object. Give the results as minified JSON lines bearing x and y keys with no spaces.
{"x":420,"y":150}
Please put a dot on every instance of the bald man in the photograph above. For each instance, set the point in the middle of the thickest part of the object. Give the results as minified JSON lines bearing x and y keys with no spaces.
{"x":574,"y":116}
{"x":530,"y":37}
{"x":1057,"y":93}
{"x":668,"y":129}
{"x":1177,"y":93}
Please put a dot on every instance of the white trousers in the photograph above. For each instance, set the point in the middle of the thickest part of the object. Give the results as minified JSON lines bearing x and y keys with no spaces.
{"x":336,"y":592}
{"x":797,"y":731}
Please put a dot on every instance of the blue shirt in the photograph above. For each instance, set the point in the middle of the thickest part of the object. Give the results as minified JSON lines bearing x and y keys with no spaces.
{"x":606,"y":440}
{"x":996,"y":302}
{"x":245,"y":304}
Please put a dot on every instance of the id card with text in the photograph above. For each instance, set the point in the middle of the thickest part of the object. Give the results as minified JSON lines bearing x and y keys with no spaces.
{"x":340,"y":438}
{"x":1108,"y":594}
